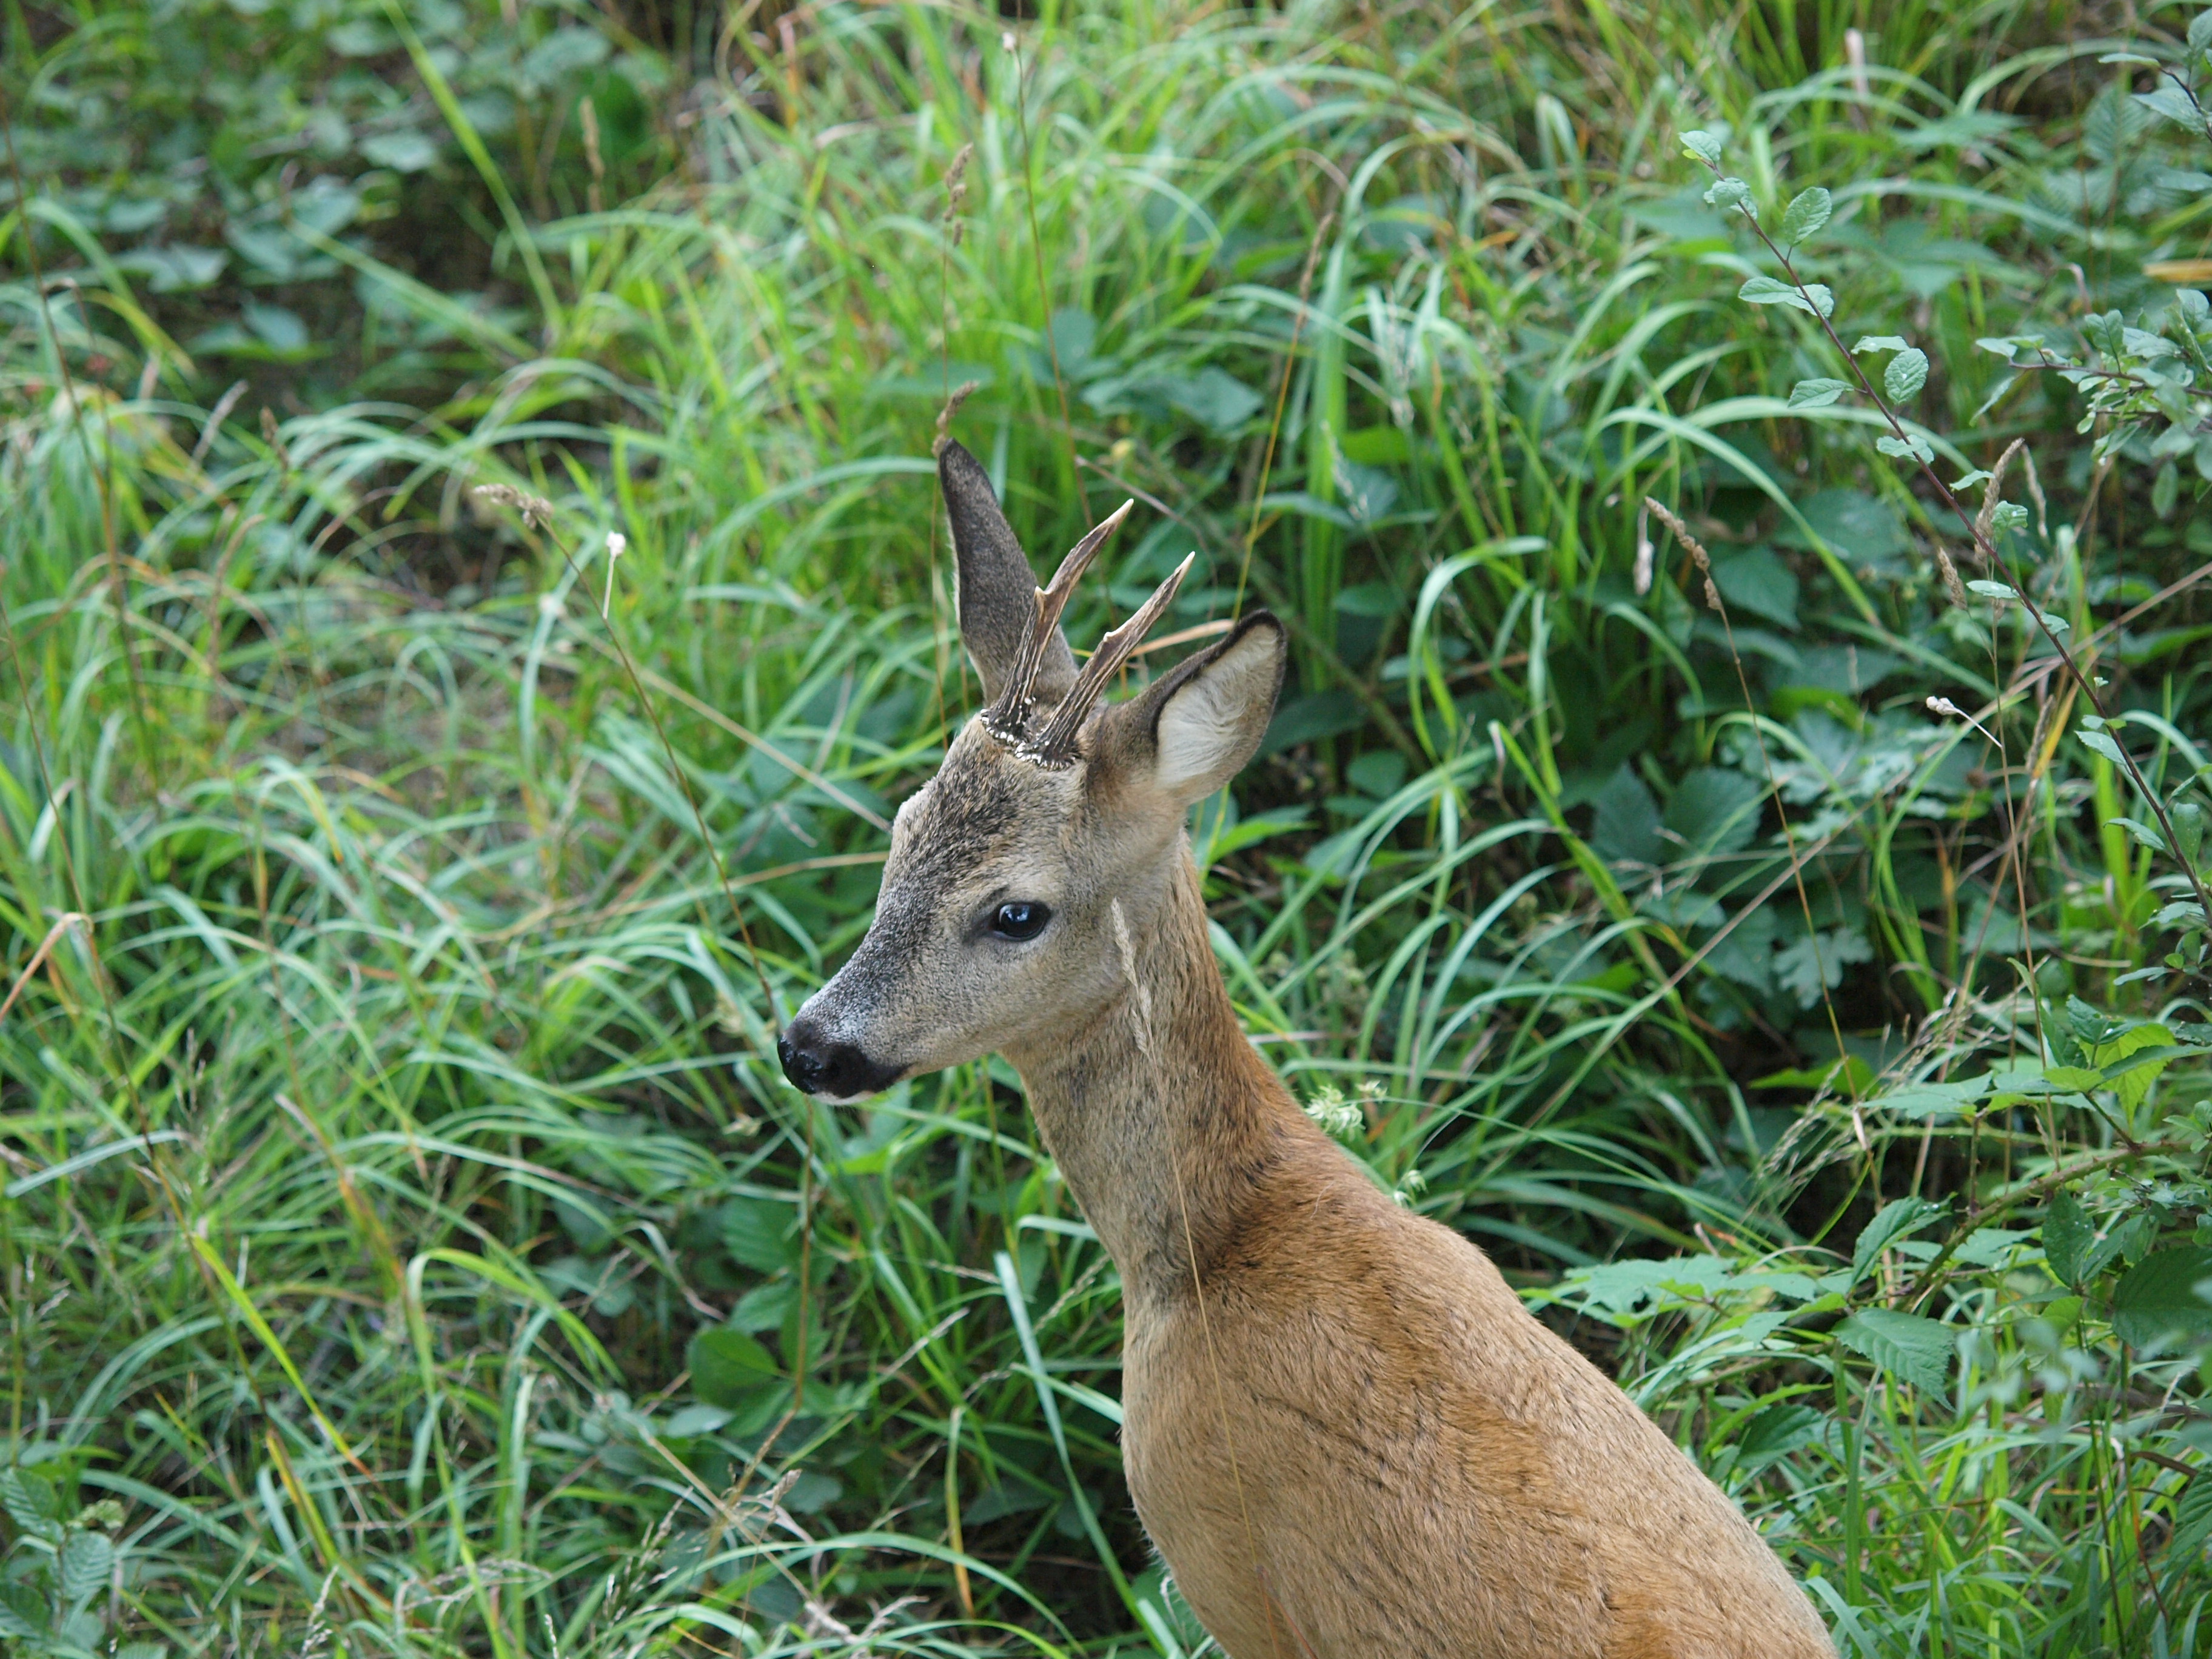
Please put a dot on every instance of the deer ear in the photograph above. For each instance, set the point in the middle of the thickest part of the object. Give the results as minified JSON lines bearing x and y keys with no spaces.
{"x":998,"y":589}
{"x":1195,"y":728}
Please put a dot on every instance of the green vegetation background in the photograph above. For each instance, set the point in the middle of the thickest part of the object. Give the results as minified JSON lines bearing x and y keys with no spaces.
{"x":407,"y":1246}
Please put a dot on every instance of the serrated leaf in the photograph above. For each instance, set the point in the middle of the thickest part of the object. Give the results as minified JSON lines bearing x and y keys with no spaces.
{"x":31,"y":1503}
{"x":87,"y":1561}
{"x":1898,"y":1219}
{"x":1807,"y":211}
{"x":1626,"y":826}
{"x":1704,"y":146}
{"x":1815,"y":963}
{"x":2074,"y":1080}
{"x":1910,"y":1348}
{"x":1817,"y":393}
{"x":727,"y":1366}
{"x":22,"y":1615}
{"x":1912,"y":444}
{"x":2008,"y":515}
{"x":2156,"y":1301}
{"x":1906,"y":373}
{"x":1878,"y":343}
{"x":2067,"y":1235}
{"x":1713,"y":811}
{"x":2132,"y":1061}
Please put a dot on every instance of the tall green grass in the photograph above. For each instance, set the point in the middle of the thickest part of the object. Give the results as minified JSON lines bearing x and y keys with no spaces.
{"x":408,"y":1245}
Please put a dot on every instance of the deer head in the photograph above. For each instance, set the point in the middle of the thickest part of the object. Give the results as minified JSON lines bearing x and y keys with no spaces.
{"x":995,"y":927}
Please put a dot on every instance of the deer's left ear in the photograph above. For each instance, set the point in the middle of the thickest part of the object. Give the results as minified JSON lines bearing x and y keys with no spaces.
{"x":1193,"y":729}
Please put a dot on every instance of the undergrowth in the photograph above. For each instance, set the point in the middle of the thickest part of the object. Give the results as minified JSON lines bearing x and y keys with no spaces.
{"x":473,"y":597}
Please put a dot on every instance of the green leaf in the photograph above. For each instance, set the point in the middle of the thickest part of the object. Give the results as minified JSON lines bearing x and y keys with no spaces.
{"x":22,"y":1613}
{"x":87,"y":1561}
{"x":760,"y":1232}
{"x":1809,"y":210}
{"x":405,"y":151}
{"x":1912,"y":444}
{"x":2074,"y":1080}
{"x":2141,"y":832}
{"x":1906,"y":373}
{"x":1878,"y":343}
{"x":2102,"y":745}
{"x":1758,"y":581}
{"x":2167,"y":99}
{"x":1815,"y":963}
{"x":1910,"y":1348}
{"x":1817,"y":393}
{"x":727,"y":1367}
{"x":2131,"y":1061}
{"x":1898,"y":1219}
{"x":1813,"y":299}
{"x":2067,"y":1235}
{"x":1714,"y":811}
{"x":31,"y":1502}
{"x":1704,"y":146}
{"x":2156,"y":1301}
{"x":1626,"y":827}
{"x":1726,"y":193}
{"x":2189,"y":823}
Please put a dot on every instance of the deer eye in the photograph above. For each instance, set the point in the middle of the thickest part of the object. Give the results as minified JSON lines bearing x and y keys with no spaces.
{"x":1020,"y":920}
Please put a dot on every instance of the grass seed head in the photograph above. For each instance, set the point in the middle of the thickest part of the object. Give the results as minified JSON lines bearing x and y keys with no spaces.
{"x":536,"y":511}
{"x":1952,"y":585}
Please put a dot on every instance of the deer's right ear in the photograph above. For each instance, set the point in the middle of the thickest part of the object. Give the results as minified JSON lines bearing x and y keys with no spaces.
{"x":998,"y":589}
{"x":1195,"y":727}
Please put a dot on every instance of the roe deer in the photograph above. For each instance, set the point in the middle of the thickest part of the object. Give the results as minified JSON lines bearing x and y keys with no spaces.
{"x":1343,"y":1431}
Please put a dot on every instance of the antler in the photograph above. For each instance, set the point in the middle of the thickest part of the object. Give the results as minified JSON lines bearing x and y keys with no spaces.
{"x":1005,"y":718}
{"x":1054,"y":746}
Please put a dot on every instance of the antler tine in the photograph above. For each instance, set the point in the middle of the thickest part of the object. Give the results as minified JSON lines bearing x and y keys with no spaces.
{"x":1005,"y":717}
{"x":1056,"y":745}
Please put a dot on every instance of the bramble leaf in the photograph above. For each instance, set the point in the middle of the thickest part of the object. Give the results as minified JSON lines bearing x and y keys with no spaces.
{"x":2067,"y":1235}
{"x":1898,"y":1219}
{"x":1910,"y":1347}
{"x":2157,"y":1300}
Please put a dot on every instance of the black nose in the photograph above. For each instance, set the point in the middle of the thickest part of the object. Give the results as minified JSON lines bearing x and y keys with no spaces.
{"x":816,"y":1065}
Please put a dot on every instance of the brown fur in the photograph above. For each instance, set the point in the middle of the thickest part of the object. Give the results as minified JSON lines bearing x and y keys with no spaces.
{"x":1343,"y":1431}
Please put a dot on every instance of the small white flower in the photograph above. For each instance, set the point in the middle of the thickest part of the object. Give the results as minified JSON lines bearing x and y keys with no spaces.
{"x":617,"y":544}
{"x":1945,"y":709}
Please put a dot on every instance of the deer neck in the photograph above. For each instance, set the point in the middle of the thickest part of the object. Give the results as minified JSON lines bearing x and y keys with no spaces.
{"x":1163,"y":1121}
